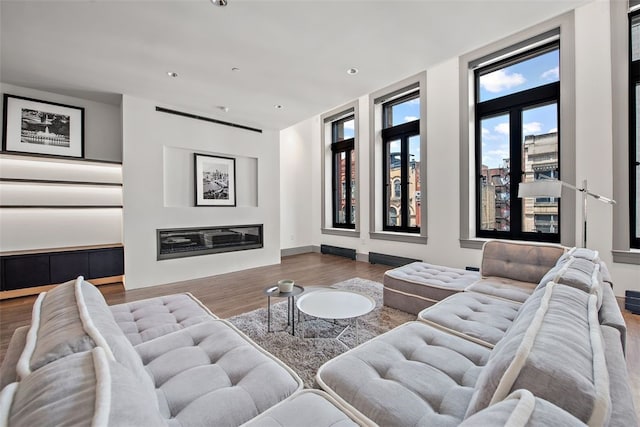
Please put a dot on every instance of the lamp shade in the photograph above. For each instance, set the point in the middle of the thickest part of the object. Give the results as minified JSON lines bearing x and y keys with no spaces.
{"x":541,"y":188}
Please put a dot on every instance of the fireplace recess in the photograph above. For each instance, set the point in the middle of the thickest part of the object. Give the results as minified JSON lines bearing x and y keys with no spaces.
{"x":184,"y":242}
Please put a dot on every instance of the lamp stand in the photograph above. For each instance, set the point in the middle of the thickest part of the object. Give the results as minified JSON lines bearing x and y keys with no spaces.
{"x":541,"y":189}
{"x":584,"y":192}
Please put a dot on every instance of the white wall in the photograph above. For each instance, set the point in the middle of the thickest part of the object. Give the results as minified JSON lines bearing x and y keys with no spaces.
{"x":155,"y":144}
{"x":296,"y":191}
{"x":594,"y":160}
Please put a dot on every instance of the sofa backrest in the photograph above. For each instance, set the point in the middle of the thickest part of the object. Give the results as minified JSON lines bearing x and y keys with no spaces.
{"x":555,"y":350}
{"x":578,"y":273}
{"x":83,"y":388}
{"x":71,"y":318}
{"x":524,"y":262}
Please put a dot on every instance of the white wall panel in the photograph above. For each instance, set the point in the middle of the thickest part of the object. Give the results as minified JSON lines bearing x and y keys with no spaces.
{"x":36,"y":168}
{"x":36,"y":194}
{"x":158,"y":149}
{"x":34,"y":228}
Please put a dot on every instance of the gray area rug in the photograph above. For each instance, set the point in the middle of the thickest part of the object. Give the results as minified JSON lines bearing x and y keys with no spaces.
{"x":306,"y":355}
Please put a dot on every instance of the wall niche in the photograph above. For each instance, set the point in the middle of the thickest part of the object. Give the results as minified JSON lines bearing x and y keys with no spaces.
{"x":178,"y":175}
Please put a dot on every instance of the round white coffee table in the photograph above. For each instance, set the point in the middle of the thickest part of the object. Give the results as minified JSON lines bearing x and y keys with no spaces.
{"x":335,"y":304}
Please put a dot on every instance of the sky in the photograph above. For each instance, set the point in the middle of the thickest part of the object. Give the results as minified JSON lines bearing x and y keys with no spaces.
{"x":534,"y":72}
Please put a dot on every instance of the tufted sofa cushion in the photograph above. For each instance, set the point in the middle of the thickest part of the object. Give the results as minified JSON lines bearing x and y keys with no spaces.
{"x":472,"y":316}
{"x":425,"y":283}
{"x":522,"y":408}
{"x":579,"y":273}
{"x":505,"y":288}
{"x":148,"y":319}
{"x":211,"y":374}
{"x":305,"y":408}
{"x":522,"y":262}
{"x":412,"y":375}
{"x":83,"y":388}
{"x":555,"y":350}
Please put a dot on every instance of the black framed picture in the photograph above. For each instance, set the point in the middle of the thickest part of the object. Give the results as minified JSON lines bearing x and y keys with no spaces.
{"x":215,"y":180}
{"x":39,"y":127}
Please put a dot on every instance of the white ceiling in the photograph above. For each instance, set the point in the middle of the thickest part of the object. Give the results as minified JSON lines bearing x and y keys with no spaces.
{"x":294,"y":53}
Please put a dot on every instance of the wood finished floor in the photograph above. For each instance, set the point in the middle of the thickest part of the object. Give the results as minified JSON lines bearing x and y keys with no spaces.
{"x":234,"y":293}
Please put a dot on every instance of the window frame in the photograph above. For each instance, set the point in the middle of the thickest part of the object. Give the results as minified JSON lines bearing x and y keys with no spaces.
{"x":562,"y":27}
{"x":402,"y":132}
{"x":634,"y":165}
{"x":376,"y":153}
{"x":326,"y":160}
{"x":622,"y":251}
{"x":342,"y":146}
{"x":513,"y":105}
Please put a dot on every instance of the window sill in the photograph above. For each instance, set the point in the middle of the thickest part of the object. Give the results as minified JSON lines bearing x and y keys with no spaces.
{"x":398,"y":237}
{"x":341,"y":232}
{"x":631,"y":256}
{"x":472,"y":243}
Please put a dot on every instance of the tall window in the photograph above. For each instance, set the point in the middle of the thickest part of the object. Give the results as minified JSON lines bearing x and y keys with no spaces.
{"x":634,"y":128}
{"x":343,"y":172}
{"x":517,"y":140}
{"x":401,"y":163}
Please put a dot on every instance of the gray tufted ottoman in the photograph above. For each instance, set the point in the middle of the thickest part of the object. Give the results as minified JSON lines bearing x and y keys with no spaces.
{"x":416,"y":286}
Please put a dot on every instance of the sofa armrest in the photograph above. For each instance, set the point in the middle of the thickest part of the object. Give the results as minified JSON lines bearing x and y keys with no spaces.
{"x":8,"y":372}
{"x":610,"y":314}
{"x":623,"y":412}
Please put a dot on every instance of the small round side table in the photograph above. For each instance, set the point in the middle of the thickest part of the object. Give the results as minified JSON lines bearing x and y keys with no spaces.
{"x":272,"y":291}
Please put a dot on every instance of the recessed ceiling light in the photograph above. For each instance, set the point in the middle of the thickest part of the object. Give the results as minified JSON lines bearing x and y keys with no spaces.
{"x":219,"y":2}
{"x":172,"y":74}
{"x":277,"y":106}
{"x":235,"y":69}
{"x":352,"y":71}
{"x":223,"y":108}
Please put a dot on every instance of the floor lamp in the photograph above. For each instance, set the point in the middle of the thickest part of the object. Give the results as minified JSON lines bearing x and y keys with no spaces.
{"x":550,"y":187}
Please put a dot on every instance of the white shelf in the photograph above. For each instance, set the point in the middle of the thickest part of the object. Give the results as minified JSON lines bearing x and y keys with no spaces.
{"x":53,"y":169}
{"x":52,"y":202}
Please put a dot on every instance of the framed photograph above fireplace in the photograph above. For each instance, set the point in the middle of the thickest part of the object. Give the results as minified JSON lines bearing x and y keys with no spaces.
{"x":215,"y":180}
{"x":42,"y":128}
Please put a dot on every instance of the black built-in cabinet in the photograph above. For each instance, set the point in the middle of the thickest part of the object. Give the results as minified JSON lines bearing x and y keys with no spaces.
{"x":29,"y":270}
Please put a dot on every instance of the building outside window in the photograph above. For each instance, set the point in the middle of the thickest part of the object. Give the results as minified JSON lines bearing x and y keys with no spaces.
{"x":401,"y":163}
{"x":343,"y":172}
{"x":634,"y":128}
{"x":517,"y":140}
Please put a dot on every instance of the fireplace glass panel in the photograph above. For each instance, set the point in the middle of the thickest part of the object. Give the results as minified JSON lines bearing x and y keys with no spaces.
{"x":184,"y":242}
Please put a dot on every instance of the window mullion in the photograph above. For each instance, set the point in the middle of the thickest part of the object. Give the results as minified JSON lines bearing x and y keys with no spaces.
{"x":347,"y":180}
{"x":334,"y":186}
{"x":516,"y":170}
{"x":404,"y":176}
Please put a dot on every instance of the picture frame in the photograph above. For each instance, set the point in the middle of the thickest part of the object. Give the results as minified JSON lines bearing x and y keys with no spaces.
{"x":214,"y":180}
{"x":36,"y":127}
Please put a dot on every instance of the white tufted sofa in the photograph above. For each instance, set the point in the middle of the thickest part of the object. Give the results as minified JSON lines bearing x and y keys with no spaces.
{"x":549,"y":352}
{"x":164,"y":361}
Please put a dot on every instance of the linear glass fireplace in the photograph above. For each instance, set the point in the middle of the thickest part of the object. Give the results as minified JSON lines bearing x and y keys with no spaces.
{"x":184,"y":242}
